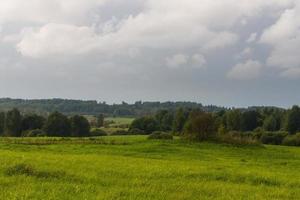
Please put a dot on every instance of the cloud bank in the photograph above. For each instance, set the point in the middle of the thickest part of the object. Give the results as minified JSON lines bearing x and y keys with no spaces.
{"x":190,"y":44}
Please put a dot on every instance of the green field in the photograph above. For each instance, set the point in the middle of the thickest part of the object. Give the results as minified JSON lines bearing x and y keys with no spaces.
{"x":120,"y":120}
{"x":132,"y":167}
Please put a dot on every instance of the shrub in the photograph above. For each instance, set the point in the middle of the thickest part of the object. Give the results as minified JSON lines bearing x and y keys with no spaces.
{"x":274,"y":138}
{"x":157,"y":135}
{"x":98,"y":132}
{"x":166,"y":136}
{"x":120,"y":132}
{"x":237,"y":138}
{"x":34,"y":133}
{"x":147,"y":124}
{"x":136,"y":131}
{"x":292,"y":140}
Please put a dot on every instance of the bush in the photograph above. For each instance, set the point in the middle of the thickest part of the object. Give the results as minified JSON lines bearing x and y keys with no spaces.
{"x":120,"y":132}
{"x":34,"y":133}
{"x":292,"y":140}
{"x":136,"y":131}
{"x":275,"y":138}
{"x":147,"y":124}
{"x":157,"y":135}
{"x":237,"y":138}
{"x":98,"y":132}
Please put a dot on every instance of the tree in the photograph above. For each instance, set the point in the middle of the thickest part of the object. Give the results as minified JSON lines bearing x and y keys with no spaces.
{"x":58,"y":124}
{"x":100,"y":120}
{"x":179,"y":120}
{"x":200,"y":126}
{"x":145,"y":124}
{"x":32,"y":122}
{"x":250,"y":120}
{"x":270,"y":124}
{"x":233,"y":120}
{"x":165,"y":120}
{"x":293,"y":120}
{"x":13,"y":123}
{"x":80,"y":126}
{"x":2,"y":123}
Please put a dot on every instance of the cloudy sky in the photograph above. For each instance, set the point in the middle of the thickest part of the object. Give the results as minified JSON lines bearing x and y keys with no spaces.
{"x":224,"y":52}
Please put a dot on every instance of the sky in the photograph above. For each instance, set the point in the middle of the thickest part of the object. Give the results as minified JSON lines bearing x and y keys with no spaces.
{"x":222,"y":52}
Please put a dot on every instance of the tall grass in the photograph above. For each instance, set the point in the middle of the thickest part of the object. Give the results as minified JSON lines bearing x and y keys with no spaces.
{"x":145,"y":169}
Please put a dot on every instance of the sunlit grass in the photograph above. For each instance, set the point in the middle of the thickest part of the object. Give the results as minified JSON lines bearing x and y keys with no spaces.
{"x":132,"y":167}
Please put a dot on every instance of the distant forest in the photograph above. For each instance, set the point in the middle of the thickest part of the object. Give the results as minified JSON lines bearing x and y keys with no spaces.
{"x":71,"y":107}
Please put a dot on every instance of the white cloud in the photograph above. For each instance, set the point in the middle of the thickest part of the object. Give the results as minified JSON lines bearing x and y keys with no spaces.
{"x":177,"y":60}
{"x":249,"y":70}
{"x":252,"y":38}
{"x":46,"y":11}
{"x":161,"y":25}
{"x":246,"y":53}
{"x":198,"y":61}
{"x":110,"y":39}
{"x":284,"y":38}
{"x":53,"y":39}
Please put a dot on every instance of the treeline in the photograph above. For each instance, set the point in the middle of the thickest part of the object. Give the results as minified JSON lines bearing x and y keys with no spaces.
{"x":14,"y":124}
{"x":267,"y":125}
{"x":70,"y":107}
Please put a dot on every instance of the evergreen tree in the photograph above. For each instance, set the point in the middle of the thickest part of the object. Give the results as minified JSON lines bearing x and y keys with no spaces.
{"x":13,"y":123}
{"x":2,"y":123}
{"x":293,"y":120}
{"x":179,"y":120}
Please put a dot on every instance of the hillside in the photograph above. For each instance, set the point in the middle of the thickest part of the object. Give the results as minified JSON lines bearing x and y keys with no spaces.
{"x":94,"y":108}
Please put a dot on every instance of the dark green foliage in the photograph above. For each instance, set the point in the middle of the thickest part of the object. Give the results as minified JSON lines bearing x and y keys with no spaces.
{"x":200,"y":126}
{"x":165,"y":120}
{"x":146,"y":124}
{"x":250,"y":120}
{"x":79,"y":107}
{"x":233,"y":120}
{"x":80,"y":126}
{"x":33,"y":121}
{"x":292,"y":140}
{"x":13,"y":123}
{"x":270,"y":124}
{"x":58,"y":125}
{"x":180,"y":119}
{"x":120,"y":132}
{"x":274,"y":138}
{"x":293,"y":120}
{"x":98,"y":132}
{"x":158,"y":135}
{"x":136,"y":131}
{"x":2,"y":123}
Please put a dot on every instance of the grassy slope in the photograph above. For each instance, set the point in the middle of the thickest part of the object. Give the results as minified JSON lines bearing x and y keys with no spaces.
{"x":132,"y":167}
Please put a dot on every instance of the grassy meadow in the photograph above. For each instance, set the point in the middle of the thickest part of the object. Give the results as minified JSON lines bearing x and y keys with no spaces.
{"x":132,"y":167}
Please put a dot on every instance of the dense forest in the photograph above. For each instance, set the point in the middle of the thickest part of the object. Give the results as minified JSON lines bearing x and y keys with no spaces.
{"x":71,"y":107}
{"x":241,"y":126}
